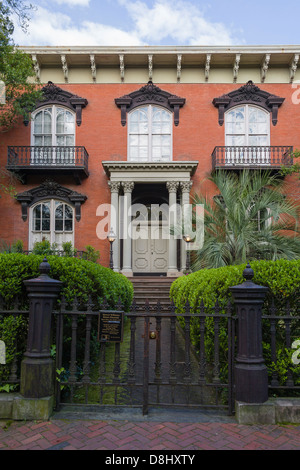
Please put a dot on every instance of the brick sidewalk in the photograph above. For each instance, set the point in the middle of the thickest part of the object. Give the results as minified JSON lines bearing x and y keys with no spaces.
{"x":125,"y":435}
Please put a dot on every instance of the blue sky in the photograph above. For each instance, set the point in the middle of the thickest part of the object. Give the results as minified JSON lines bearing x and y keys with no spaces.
{"x":162,"y":22}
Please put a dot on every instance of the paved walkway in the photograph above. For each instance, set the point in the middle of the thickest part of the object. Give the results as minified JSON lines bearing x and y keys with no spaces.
{"x":159,"y":431}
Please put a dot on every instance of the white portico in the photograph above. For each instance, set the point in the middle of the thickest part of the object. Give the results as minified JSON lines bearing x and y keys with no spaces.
{"x":159,"y":183}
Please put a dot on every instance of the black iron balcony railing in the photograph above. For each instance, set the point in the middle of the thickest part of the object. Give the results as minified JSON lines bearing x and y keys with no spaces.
{"x":273,"y":157}
{"x":33,"y":159}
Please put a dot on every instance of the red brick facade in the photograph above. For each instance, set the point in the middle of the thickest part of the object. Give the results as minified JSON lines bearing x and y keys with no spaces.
{"x":105,"y":139}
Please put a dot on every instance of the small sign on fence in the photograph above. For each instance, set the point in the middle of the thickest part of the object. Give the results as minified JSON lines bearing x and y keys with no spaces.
{"x":110,"y":326}
{"x":2,"y":92}
{"x":2,"y":353}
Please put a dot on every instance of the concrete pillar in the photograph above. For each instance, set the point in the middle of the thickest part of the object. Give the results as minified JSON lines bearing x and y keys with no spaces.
{"x":127,"y":242}
{"x":172,"y":268}
{"x":185,"y":200}
{"x":37,"y":368}
{"x":251,"y":374}
{"x":114,"y":221}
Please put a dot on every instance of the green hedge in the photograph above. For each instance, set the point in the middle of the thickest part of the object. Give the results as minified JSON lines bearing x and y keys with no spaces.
{"x":282,"y":277}
{"x":80,"y":278}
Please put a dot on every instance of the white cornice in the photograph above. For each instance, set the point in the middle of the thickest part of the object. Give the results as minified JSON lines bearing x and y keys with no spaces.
{"x":114,"y":166}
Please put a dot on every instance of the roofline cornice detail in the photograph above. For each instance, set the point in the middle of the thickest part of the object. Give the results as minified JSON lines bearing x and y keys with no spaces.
{"x":111,"y":166}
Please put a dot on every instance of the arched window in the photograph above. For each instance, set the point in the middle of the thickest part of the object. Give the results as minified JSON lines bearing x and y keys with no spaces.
{"x":53,"y":127}
{"x":247,"y":126}
{"x":150,"y":134}
{"x":51,"y":220}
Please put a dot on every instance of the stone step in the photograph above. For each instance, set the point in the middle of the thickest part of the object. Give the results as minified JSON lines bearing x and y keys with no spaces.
{"x":151,"y":289}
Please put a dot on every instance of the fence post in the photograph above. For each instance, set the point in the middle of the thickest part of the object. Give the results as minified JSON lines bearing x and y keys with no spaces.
{"x":37,"y":368}
{"x":251,"y":375}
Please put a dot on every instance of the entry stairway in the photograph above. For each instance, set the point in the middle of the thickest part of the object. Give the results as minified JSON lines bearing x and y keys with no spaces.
{"x":152,"y":289}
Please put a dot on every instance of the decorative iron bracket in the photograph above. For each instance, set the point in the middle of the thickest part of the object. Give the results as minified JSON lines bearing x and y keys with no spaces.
{"x":52,"y":94}
{"x":150,"y":94}
{"x":248,"y":94}
{"x":50,"y":189}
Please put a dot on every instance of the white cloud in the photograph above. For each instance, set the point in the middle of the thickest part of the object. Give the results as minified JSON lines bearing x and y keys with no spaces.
{"x":73,"y":3}
{"x":56,"y":29}
{"x":180,"y":23}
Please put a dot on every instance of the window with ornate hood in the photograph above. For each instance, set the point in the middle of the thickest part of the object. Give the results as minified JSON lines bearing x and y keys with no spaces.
{"x":151,"y":114}
{"x":150,"y":134}
{"x":247,"y":113}
{"x":52,"y":210}
{"x":52,"y":220}
{"x":53,"y":137}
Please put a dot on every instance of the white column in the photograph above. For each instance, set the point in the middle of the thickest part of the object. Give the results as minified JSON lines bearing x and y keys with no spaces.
{"x":172,"y":268}
{"x":127,"y":241}
{"x":114,"y":221}
{"x":185,"y":199}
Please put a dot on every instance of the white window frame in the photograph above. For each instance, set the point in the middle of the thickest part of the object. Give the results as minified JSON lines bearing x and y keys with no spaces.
{"x":52,"y":232}
{"x":260,"y":155}
{"x":52,"y":154}
{"x":54,"y":108}
{"x":150,"y":134}
{"x":246,"y":133}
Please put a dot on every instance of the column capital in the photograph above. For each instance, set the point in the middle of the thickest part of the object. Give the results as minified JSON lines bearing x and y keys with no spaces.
{"x":172,"y":186}
{"x":114,"y":186}
{"x":128,"y":186}
{"x":186,"y":185}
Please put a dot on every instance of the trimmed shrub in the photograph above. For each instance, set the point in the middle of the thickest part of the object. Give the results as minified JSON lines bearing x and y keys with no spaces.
{"x":282,"y":277}
{"x":80,"y":278}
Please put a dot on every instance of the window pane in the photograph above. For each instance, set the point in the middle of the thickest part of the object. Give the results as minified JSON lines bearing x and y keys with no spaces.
{"x":68,"y":212}
{"x":59,"y":225}
{"x":46,"y":210}
{"x":48,"y":140}
{"x":70,"y":140}
{"x":143,"y":114}
{"x":261,"y":140}
{"x":236,"y":140}
{"x":45,"y":224}
{"x":60,"y":124}
{"x":134,"y":117}
{"x":38,"y":127}
{"x":60,"y":140}
{"x":133,"y":151}
{"x":133,"y":140}
{"x":143,"y":140}
{"x":156,"y":154}
{"x":37,"y":211}
{"x":47,"y":123}
{"x":38,"y":140}
{"x":143,"y":128}
{"x":134,"y":127}
{"x":68,"y":225}
{"x":59,"y":212}
{"x":36,"y":225}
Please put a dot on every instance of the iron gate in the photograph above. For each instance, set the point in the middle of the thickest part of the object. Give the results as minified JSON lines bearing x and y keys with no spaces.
{"x":166,"y":357}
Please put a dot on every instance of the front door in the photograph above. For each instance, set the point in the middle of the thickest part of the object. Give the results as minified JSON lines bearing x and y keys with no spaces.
{"x":150,"y":250}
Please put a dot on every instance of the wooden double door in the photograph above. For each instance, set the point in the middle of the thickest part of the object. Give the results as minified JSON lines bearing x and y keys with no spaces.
{"x":150,"y":249}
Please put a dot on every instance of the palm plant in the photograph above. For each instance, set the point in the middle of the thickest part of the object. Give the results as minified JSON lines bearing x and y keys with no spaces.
{"x":249,"y":219}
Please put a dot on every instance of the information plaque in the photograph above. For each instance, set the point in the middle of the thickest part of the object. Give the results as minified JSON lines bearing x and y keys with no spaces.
{"x":110,"y":326}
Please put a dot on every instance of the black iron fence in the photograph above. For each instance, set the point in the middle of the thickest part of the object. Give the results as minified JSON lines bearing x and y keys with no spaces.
{"x":152,"y":355}
{"x":156,"y":363}
{"x":47,"y":156}
{"x":251,"y":157}
{"x":14,"y":317}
